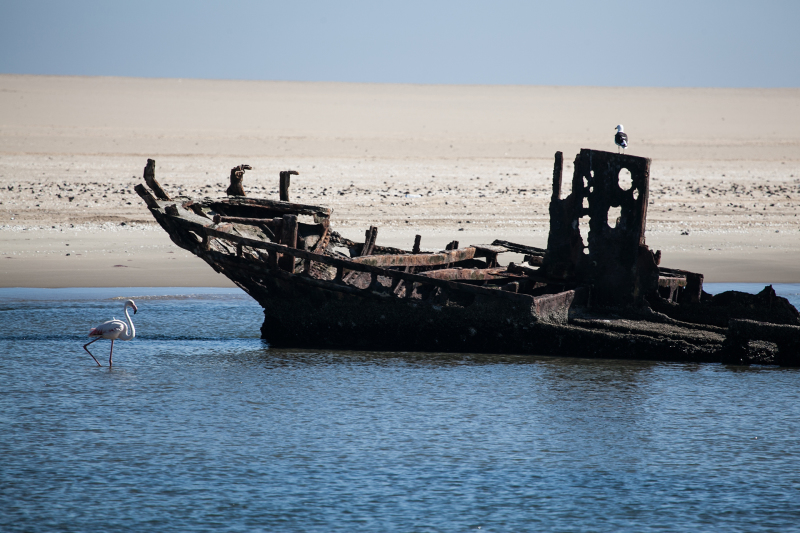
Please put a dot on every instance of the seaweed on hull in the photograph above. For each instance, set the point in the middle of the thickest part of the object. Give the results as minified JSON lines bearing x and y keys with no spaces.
{"x":603,"y":294}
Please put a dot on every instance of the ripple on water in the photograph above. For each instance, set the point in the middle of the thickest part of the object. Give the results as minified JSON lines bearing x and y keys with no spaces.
{"x":202,"y":426}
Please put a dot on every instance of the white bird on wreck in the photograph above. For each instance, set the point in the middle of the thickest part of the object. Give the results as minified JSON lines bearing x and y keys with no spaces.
{"x":621,"y":138}
{"x":113,"y":330}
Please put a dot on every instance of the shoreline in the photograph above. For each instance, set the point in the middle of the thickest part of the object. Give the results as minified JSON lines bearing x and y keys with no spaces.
{"x":143,"y":256}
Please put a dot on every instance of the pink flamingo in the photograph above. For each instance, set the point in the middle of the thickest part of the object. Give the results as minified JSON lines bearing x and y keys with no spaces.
{"x":114,"y":330}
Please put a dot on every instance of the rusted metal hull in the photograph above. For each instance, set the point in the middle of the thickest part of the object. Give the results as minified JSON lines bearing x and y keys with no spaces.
{"x":606,"y":299}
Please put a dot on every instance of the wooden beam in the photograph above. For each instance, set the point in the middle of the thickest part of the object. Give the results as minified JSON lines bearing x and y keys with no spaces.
{"x":366,"y":249}
{"x":150,"y":179}
{"x":273,"y":223}
{"x":466,"y":273}
{"x":148,"y":198}
{"x":274,"y":206}
{"x":442,"y":258}
{"x":519,"y":248}
{"x":534,"y":274}
{"x":288,"y":238}
{"x":286,"y":176}
{"x":417,"y":240}
{"x":350,"y":264}
{"x":558,"y":166}
{"x":371,"y":235}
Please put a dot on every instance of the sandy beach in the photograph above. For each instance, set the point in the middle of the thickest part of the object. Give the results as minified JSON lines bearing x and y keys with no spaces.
{"x":471,"y":163}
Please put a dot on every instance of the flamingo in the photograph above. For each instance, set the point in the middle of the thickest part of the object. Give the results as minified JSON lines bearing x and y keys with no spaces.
{"x":114,"y":330}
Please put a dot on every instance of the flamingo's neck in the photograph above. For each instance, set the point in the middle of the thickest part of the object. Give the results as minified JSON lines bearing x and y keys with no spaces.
{"x":131,"y":332}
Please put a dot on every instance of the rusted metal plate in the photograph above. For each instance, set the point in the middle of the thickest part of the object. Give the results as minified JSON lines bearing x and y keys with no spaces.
{"x":564,"y":242}
{"x":615,"y":261}
{"x":553,"y":304}
{"x":441,"y":258}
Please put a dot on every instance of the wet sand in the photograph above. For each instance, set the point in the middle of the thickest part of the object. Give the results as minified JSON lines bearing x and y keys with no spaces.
{"x":468,"y":163}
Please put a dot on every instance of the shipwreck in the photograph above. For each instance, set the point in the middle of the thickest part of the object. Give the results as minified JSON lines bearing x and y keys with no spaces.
{"x":604,"y":294}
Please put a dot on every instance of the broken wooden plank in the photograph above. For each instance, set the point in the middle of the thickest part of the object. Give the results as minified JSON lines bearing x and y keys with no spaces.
{"x":351,"y":264}
{"x":285,"y":177}
{"x":673,"y":272}
{"x":549,"y":305}
{"x":273,"y":223}
{"x":237,"y":177}
{"x":152,"y":182}
{"x":319,"y":248}
{"x":667,"y":286}
{"x":324,"y":240}
{"x":370,"y":236}
{"x":693,"y":289}
{"x":466,"y":273}
{"x":534,"y":260}
{"x":366,"y":249}
{"x":519,"y":248}
{"x":273,"y":206}
{"x":532,"y":273}
{"x":441,"y":258}
{"x":488,"y":251}
{"x":417,"y":240}
{"x":147,"y":196}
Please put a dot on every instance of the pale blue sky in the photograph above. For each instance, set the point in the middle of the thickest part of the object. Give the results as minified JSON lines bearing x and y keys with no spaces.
{"x":626,"y":43}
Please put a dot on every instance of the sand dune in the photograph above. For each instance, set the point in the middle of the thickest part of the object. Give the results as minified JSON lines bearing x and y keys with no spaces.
{"x":450,"y":162}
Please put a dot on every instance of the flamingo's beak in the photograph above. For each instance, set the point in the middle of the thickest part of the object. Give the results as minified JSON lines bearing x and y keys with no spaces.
{"x":135,"y":309}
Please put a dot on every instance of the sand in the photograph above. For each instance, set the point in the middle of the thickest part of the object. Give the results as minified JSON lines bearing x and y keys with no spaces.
{"x":471,"y":163}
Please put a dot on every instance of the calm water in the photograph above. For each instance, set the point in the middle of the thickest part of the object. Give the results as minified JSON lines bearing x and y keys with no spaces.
{"x":201,"y":426}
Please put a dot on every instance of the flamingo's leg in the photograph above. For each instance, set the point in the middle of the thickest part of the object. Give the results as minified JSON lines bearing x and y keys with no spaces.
{"x":90,"y":353}
{"x":111,"y":353}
